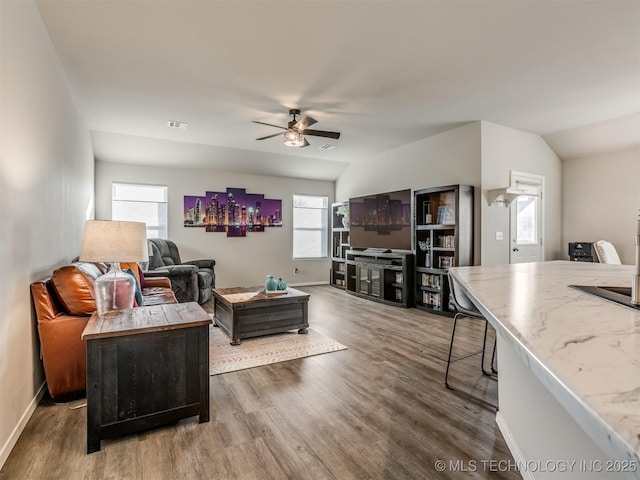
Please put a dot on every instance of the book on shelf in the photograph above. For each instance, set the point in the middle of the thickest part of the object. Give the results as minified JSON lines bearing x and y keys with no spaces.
{"x":447,"y":241}
{"x":446,"y":262}
{"x":398,"y":277}
{"x":431,"y":299}
{"x":430,"y":280}
{"x":449,"y":215}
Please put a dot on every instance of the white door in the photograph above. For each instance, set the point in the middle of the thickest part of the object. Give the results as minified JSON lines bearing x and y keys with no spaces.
{"x":527,"y":214}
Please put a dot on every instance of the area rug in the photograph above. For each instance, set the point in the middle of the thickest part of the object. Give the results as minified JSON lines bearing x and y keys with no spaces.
{"x":255,"y":352}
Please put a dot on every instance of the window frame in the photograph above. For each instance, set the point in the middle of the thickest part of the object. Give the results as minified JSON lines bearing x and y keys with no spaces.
{"x":323,"y":229}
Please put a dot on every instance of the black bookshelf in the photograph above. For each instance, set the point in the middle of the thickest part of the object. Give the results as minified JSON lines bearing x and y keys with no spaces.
{"x":443,"y":238}
{"x":339,"y":244}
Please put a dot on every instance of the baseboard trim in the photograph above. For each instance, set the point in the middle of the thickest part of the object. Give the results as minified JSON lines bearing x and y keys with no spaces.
{"x":513,"y":446}
{"x":17,"y":431}
{"x":309,"y":284}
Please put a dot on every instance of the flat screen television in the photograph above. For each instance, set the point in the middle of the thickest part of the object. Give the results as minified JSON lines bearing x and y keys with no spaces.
{"x":382,"y":220}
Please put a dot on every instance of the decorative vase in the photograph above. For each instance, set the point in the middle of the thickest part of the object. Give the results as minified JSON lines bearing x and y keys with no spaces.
{"x":281,"y":284}
{"x":345,"y":221}
{"x":114,"y":291}
{"x":271,"y":284}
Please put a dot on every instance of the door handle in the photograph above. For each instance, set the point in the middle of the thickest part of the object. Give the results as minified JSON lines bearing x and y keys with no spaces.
{"x":516,"y":249}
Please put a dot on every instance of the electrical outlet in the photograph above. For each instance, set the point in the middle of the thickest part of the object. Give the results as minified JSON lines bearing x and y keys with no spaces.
{"x":295,"y":271}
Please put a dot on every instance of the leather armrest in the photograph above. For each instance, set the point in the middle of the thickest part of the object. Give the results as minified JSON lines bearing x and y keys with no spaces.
{"x":64,"y":353}
{"x":160,"y":272}
{"x":158,"y":282}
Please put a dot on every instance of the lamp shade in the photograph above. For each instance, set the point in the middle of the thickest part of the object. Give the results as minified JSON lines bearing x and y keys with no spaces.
{"x":114,"y":241}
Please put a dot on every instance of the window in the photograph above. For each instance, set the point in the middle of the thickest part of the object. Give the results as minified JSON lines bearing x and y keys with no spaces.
{"x":310,"y":226}
{"x":141,"y":203}
{"x":527,"y":214}
{"x":526,"y":220}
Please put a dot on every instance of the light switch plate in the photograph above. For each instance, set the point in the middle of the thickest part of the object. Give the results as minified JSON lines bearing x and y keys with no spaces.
{"x":499,"y":235}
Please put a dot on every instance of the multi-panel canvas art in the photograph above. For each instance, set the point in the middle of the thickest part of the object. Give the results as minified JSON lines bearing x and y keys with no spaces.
{"x":235,"y":212}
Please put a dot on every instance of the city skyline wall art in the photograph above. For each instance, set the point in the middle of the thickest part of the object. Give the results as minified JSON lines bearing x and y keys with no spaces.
{"x":234,"y":212}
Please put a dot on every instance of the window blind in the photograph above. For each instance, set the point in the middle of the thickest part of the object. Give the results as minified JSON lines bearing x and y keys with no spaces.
{"x":310,"y":226}
{"x":141,"y":203}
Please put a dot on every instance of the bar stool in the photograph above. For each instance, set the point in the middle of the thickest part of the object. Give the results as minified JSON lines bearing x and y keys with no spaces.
{"x":606,"y":252}
{"x":466,"y":308}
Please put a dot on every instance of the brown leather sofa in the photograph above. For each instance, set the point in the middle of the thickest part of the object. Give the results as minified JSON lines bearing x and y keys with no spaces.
{"x":63,"y":304}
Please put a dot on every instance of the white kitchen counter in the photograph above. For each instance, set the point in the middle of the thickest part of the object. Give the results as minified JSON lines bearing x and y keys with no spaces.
{"x":584,"y":350}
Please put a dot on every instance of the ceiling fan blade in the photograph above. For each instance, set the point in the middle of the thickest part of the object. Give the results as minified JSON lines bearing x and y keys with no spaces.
{"x":320,"y":133}
{"x":306,"y":144}
{"x":304,"y":123}
{"x":270,"y":136}
{"x":270,"y":125}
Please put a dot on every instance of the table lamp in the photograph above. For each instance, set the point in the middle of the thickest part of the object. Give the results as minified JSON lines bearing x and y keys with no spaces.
{"x":114,"y":242}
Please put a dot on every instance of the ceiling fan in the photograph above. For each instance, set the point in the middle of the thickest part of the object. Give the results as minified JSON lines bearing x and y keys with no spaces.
{"x":296,"y":130}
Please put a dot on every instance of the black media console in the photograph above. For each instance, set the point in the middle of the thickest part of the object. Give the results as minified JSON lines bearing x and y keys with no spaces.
{"x":380,"y":275}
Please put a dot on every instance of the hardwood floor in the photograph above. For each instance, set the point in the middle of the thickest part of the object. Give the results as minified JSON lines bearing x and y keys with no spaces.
{"x":378,"y":410}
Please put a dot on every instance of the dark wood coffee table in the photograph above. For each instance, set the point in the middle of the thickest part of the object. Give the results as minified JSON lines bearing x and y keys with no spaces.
{"x":245,"y":312}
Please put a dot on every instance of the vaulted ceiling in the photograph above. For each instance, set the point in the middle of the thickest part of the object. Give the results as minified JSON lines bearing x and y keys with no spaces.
{"x":383,"y":73}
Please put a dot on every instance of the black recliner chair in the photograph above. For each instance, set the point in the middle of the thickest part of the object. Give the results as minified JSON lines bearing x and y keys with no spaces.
{"x":191,"y":281}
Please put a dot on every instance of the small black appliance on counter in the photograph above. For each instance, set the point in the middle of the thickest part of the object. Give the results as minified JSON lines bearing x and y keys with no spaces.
{"x":581,"y":251}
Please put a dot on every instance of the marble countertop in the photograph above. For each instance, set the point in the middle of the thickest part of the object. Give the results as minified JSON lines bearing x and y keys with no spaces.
{"x":584,"y":349}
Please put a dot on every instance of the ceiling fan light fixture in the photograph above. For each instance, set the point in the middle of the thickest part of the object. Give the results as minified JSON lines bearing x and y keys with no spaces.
{"x":293,"y":138}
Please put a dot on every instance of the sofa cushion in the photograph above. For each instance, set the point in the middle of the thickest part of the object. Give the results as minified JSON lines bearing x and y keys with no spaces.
{"x":158,"y":296}
{"x":73,"y":285}
{"x":133,"y":266}
{"x":138,"y":293}
{"x":45,"y":301}
{"x":143,"y":281}
{"x":165,"y":253}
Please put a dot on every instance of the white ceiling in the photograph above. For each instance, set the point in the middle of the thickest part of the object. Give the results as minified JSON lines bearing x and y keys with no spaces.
{"x":382,"y":73}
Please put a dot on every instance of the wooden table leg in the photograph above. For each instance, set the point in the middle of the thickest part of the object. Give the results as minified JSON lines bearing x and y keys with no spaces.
{"x":203,"y":342}
{"x":93,"y":396}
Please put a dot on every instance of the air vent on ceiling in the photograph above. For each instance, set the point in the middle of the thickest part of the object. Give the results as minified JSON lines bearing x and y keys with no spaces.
{"x":175,"y":124}
{"x":326,"y":146}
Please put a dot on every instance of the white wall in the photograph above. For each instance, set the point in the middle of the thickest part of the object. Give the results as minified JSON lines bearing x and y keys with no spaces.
{"x":600,"y":200}
{"x":481,"y":154}
{"x":449,"y":158}
{"x":46,"y":191}
{"x":239,"y":261}
{"x":505,"y":149}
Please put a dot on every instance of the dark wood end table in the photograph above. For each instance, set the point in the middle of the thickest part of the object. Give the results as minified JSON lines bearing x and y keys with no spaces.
{"x":146,"y":367}
{"x":245,"y":312}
